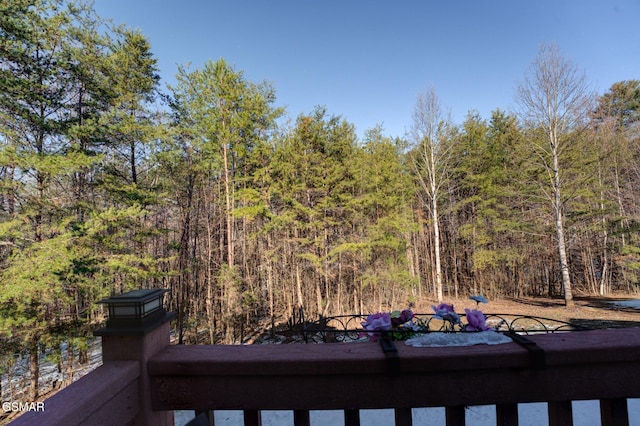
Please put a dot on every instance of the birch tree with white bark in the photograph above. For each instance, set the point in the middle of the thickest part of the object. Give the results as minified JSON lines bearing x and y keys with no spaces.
{"x":430,"y":162}
{"x":555,"y":98}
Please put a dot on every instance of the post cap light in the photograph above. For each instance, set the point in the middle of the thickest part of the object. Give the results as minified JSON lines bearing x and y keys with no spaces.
{"x":135,"y":312}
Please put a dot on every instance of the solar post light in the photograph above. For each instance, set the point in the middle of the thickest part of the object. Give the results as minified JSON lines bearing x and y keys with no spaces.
{"x":134,"y":312}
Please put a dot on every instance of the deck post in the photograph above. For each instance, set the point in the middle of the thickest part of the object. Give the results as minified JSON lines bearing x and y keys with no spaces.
{"x":137,"y":329}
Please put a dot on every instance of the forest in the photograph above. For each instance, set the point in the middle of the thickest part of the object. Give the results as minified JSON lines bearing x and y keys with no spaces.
{"x":111,"y":182}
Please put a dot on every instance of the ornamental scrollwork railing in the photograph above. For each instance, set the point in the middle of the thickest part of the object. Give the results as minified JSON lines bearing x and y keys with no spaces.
{"x":348,"y":328}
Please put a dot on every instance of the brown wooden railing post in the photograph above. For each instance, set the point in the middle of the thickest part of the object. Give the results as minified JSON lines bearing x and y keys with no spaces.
{"x":301,"y":418}
{"x":137,"y":329}
{"x":507,"y":414}
{"x":252,"y":418}
{"x":455,"y":415}
{"x":614,"y":412}
{"x":352,"y":417}
{"x":403,"y":417}
{"x":560,"y":413}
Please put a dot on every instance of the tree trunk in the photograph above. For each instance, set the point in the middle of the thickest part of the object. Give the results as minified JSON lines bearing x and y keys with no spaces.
{"x":602,"y":285}
{"x":436,"y":249}
{"x":68,"y":379}
{"x":300,"y":307}
{"x":270,"y":292}
{"x":436,"y":227}
{"x":562,"y":247}
{"x":34,"y":370}
{"x":227,"y":196}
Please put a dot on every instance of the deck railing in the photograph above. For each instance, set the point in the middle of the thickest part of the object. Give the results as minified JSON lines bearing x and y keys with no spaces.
{"x":602,"y":365}
{"x":143,"y":378}
{"x":107,"y":396}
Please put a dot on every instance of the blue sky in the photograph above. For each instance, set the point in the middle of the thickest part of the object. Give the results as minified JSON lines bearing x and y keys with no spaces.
{"x":367,"y":60}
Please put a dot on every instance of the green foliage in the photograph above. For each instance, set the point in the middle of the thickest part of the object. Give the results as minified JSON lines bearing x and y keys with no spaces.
{"x":486,"y":187}
{"x":71,"y":229}
{"x":35,"y":288}
{"x":621,"y":102}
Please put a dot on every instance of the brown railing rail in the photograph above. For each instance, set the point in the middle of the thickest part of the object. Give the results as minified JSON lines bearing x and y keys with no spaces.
{"x":143,"y":378}
{"x":601,"y":364}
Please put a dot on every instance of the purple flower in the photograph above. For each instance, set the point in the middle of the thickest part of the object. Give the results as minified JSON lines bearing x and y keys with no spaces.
{"x":443,"y":307}
{"x":446,"y":312}
{"x":376,"y":322}
{"x":442,"y":310}
{"x":475,"y":320}
{"x":399,"y":318}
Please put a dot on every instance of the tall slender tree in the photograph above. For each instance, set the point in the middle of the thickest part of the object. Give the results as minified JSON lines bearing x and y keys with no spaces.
{"x":555,"y":98}
{"x":431,"y":158}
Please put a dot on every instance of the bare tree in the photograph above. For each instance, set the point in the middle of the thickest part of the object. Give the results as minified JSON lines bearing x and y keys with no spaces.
{"x":555,"y":97}
{"x":430,"y":164}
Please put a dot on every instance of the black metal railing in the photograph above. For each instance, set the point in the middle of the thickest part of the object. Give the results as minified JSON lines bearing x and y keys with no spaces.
{"x":348,"y":328}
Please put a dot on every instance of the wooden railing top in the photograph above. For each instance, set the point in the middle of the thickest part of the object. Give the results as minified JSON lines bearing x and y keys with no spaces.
{"x":583,"y":347}
{"x":107,"y":395}
{"x":577,"y":365}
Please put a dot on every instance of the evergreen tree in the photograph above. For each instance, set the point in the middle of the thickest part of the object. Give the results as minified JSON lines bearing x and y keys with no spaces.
{"x":313,"y":183}
{"x":483,"y":185}
{"x":621,"y":102}
{"x":56,"y":87}
{"x":220,"y":122}
{"x":38,"y":78}
{"x":133,"y":79}
{"x":385,"y":190}
{"x":615,"y":126}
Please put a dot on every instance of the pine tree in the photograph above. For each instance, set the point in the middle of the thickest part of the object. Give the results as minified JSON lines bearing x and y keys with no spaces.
{"x":38,"y":77}
{"x":221,"y":120}
{"x":58,"y":87}
{"x":483,"y":176}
